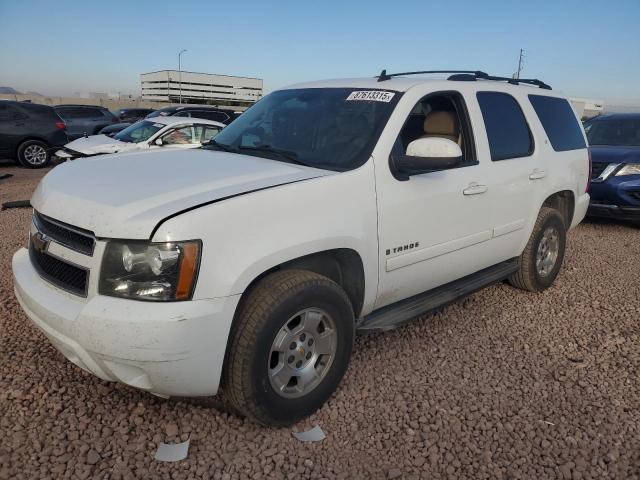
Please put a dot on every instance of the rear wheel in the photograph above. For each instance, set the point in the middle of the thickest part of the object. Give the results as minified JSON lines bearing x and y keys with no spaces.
{"x":541,"y":259}
{"x":289,"y":348}
{"x":33,"y":154}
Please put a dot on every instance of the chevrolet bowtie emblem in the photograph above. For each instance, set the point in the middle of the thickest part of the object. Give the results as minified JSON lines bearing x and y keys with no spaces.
{"x":40,"y":242}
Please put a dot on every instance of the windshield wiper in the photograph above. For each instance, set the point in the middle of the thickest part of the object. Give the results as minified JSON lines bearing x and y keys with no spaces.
{"x":223,"y":147}
{"x":291,"y":157}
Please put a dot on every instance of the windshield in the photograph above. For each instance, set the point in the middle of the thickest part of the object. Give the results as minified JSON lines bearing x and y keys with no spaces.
{"x":617,"y":132}
{"x":330,"y":128}
{"x":138,"y":132}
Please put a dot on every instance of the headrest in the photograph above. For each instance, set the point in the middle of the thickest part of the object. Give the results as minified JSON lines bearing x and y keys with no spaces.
{"x":441,"y":123}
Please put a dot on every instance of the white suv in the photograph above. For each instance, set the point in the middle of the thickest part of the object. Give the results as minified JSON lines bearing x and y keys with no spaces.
{"x":325,"y":209}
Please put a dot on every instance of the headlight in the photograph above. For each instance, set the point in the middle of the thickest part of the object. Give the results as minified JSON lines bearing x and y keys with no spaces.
{"x":629,"y":169}
{"x":150,"y":271}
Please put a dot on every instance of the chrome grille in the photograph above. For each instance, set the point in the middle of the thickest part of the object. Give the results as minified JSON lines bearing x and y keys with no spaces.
{"x":68,"y":277}
{"x":77,"y":239}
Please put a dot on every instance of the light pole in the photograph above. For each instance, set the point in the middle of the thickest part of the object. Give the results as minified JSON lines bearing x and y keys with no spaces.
{"x":180,"y":72}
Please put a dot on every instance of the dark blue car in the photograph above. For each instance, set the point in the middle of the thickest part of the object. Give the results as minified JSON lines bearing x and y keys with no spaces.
{"x":614,"y":141}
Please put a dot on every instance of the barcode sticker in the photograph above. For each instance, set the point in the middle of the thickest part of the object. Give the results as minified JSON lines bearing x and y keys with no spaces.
{"x":371,"y":96}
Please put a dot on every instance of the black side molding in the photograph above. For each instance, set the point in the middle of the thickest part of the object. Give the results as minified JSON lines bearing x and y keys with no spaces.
{"x":399,"y":313}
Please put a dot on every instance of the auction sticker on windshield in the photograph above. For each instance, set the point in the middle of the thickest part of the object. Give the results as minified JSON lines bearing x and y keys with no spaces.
{"x":371,"y":96}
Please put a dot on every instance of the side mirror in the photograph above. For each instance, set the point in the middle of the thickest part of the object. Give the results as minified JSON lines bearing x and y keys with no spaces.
{"x":158,"y":142}
{"x":426,"y":155}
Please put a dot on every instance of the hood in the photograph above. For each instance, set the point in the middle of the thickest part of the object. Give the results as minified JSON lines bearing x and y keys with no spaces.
{"x":96,"y":144}
{"x":614,"y":154}
{"x":127,"y":195}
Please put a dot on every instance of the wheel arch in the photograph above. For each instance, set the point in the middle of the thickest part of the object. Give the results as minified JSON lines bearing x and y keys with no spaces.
{"x":344,"y":266}
{"x":22,"y":141}
{"x":564,"y":202}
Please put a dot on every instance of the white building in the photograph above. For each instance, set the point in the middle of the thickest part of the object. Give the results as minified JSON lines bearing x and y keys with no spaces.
{"x":222,"y":90}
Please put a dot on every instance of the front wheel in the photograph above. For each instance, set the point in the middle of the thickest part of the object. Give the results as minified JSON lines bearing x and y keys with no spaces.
{"x":289,"y":348}
{"x":541,"y":259}
{"x":33,"y":154}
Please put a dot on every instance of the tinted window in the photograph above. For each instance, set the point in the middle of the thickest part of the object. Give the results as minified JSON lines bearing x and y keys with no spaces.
{"x":614,"y":131}
{"x":210,"y":115}
{"x":8,"y":113}
{"x":5,"y":113}
{"x":559,"y":122}
{"x":79,"y":112}
{"x":507,"y":130}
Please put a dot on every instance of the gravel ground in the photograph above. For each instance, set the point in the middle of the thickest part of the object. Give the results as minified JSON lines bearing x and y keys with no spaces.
{"x":504,"y":384}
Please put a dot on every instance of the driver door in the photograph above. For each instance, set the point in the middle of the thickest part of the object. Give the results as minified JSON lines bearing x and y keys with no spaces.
{"x":433,"y":227}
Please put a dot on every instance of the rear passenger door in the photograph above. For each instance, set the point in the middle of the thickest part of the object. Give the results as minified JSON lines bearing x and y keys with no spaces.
{"x":516,"y":170}
{"x":13,"y":127}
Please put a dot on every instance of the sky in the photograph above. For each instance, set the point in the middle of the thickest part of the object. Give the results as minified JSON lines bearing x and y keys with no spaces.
{"x":582,"y":48}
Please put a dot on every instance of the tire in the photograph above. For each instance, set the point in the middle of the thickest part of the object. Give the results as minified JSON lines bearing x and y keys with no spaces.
{"x":265,"y":321}
{"x":33,"y":154}
{"x":535,"y":276}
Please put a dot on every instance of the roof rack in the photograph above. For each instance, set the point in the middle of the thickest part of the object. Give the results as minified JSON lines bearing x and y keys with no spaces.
{"x":468,"y":76}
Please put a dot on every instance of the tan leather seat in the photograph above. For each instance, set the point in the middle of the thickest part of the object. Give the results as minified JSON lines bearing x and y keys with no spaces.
{"x":443,"y":124}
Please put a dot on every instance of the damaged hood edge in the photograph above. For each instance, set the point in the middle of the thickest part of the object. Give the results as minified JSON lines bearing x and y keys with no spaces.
{"x":127,"y":195}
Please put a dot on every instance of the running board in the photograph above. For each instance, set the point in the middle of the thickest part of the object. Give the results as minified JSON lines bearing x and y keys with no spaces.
{"x":399,"y":313}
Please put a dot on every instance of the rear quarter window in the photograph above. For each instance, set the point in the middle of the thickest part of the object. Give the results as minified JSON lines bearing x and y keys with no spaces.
{"x":559,"y":122}
{"x":507,"y":129}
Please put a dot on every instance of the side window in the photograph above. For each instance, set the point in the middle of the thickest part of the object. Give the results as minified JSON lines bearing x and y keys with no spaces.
{"x":5,"y":114}
{"x":208,"y":115}
{"x":209,"y":132}
{"x":559,"y":122}
{"x":87,"y":113}
{"x":183,"y":136}
{"x":441,"y":115}
{"x":65,"y":113}
{"x":10,"y":114}
{"x":507,"y":129}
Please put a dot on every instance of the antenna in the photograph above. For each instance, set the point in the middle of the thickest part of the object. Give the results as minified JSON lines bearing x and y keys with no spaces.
{"x":520,"y":65}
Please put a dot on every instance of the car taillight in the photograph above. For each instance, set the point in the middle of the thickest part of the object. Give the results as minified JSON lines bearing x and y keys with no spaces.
{"x":589,"y":173}
{"x":61,"y":125}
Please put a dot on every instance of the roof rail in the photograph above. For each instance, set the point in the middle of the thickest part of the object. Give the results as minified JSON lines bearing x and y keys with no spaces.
{"x":387,"y":76}
{"x":469,"y":76}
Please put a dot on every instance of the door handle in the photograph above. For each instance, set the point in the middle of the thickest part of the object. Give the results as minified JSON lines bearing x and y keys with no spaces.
{"x":537,"y":174}
{"x":475,"y":189}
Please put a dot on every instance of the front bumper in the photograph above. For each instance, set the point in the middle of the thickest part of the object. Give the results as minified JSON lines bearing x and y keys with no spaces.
{"x":617,"y":212}
{"x":616,"y":197}
{"x":169,"y":349}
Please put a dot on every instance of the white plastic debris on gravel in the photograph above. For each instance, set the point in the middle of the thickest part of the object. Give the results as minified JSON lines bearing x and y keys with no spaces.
{"x":314,"y":435}
{"x":172,"y":452}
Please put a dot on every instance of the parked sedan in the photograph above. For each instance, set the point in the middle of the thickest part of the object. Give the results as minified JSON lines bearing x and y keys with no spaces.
{"x":84,"y":120}
{"x":615,"y":152}
{"x":28,"y":131}
{"x":157,"y":132}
